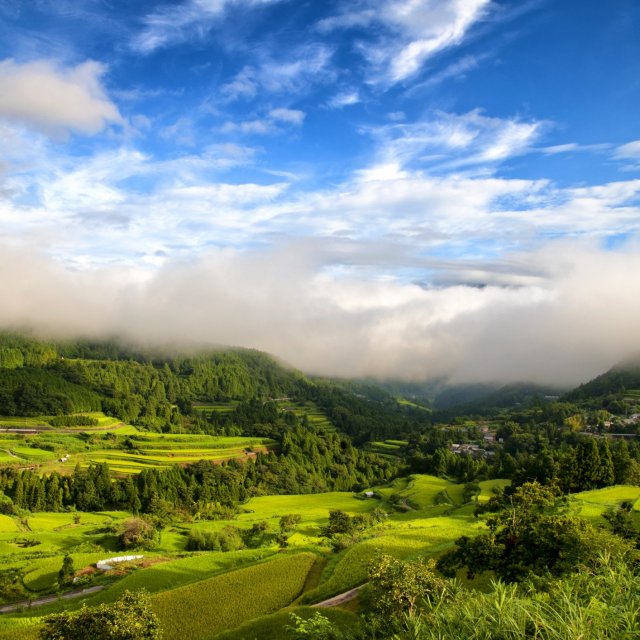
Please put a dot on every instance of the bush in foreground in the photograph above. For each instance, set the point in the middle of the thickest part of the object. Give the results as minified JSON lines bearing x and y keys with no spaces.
{"x":129,"y":618}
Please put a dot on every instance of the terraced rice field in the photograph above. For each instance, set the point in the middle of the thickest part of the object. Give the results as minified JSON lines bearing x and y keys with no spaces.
{"x":122,"y":447}
{"x":388,"y":447}
{"x":160,"y":450}
{"x":278,"y":625}
{"x":201,"y":610}
{"x":316,"y":416}
{"x":592,"y":504}
{"x":420,"y":537}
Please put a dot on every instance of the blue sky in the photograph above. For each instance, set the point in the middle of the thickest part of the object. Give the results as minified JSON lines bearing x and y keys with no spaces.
{"x":416,"y":183}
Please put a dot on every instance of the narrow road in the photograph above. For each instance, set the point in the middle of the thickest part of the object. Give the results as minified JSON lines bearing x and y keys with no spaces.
{"x":38,"y":602}
{"x":340,"y":598}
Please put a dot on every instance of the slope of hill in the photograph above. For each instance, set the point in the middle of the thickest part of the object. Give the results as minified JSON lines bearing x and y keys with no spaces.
{"x":172,"y":390}
{"x":619,"y":381}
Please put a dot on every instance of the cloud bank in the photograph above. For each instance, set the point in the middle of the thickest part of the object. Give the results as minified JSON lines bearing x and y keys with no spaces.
{"x":576,"y":315}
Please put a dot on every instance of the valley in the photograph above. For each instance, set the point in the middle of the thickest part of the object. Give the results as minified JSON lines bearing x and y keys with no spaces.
{"x":242,"y":494}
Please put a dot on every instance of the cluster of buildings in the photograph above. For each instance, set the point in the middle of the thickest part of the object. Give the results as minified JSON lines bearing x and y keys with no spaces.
{"x":475,"y":450}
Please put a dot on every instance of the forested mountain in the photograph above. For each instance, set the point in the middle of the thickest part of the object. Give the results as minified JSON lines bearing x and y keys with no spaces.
{"x":156,"y":390}
{"x":610,"y":387}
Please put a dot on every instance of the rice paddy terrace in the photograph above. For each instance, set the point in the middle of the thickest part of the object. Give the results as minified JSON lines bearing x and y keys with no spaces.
{"x":249,"y":593}
{"x":33,"y":442}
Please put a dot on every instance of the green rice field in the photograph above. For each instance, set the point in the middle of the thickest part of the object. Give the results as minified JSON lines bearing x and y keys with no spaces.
{"x":250,"y":591}
{"x":201,"y":610}
{"x":125,"y":449}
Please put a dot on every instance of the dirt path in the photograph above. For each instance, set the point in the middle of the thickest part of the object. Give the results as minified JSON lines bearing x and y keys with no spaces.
{"x":340,"y":598}
{"x":38,"y":602}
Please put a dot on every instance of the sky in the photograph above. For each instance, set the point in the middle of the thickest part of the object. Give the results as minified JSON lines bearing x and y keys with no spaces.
{"x":399,"y":189}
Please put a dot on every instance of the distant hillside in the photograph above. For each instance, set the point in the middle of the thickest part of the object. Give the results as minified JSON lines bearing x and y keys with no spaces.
{"x":487,"y":400}
{"x":156,"y":389}
{"x":478,"y":397}
{"x":460,"y":394}
{"x":613,"y":385}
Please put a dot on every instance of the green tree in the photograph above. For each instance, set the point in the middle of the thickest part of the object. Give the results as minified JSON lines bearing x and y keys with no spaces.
{"x":399,"y":587}
{"x":607,"y":471}
{"x":136,"y":533}
{"x":67,"y":572}
{"x":622,"y":463}
{"x":129,"y":618}
{"x":317,"y":627}
{"x":339,"y":522}
{"x":588,"y":464}
{"x":290,"y":521}
{"x":530,"y":539}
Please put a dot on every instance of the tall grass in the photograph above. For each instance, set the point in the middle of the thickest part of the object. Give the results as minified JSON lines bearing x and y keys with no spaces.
{"x":604,"y":605}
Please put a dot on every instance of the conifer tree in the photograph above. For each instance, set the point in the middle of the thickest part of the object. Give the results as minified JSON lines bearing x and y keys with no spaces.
{"x":67,"y":572}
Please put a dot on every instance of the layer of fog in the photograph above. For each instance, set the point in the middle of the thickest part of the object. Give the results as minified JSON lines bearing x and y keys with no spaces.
{"x":575,"y":313}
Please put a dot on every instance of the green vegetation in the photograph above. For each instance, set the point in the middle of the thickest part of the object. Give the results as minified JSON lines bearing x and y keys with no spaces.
{"x":250,"y":489}
{"x":205,"y":608}
{"x":130,"y":618}
{"x":280,"y":626}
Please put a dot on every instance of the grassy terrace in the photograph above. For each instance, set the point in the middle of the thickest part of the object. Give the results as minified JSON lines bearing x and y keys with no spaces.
{"x":261,"y":582}
{"x":122,"y":446}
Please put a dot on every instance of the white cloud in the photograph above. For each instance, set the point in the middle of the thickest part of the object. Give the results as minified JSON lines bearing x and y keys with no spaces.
{"x":272,"y":123}
{"x":345,"y":99}
{"x":289,"y":116}
{"x":54,"y":99}
{"x":417,"y":30}
{"x":303,"y":66}
{"x":243,"y":86}
{"x":560,"y":148}
{"x":257,"y":127}
{"x":456,"y":70}
{"x":628,"y":151}
{"x":431,"y":26}
{"x":450,"y":141}
{"x":175,"y":23}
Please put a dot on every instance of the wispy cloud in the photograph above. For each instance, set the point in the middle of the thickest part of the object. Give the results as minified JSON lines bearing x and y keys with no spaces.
{"x":175,"y":23}
{"x":344,"y":99}
{"x":430,"y":27}
{"x":273,"y":122}
{"x":289,"y":116}
{"x":628,"y":151}
{"x":629,"y":154}
{"x":457,"y":70}
{"x":56,"y":99}
{"x":450,"y":141}
{"x":415,"y":31}
{"x":303,"y":67}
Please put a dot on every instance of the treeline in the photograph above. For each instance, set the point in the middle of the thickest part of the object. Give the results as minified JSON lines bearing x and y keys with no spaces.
{"x":609,"y":385}
{"x":589,"y":463}
{"x":306,"y":463}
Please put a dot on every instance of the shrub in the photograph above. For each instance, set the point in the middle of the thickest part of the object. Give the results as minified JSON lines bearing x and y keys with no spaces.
{"x":136,"y":533}
{"x":228,"y":539}
{"x":129,"y":618}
